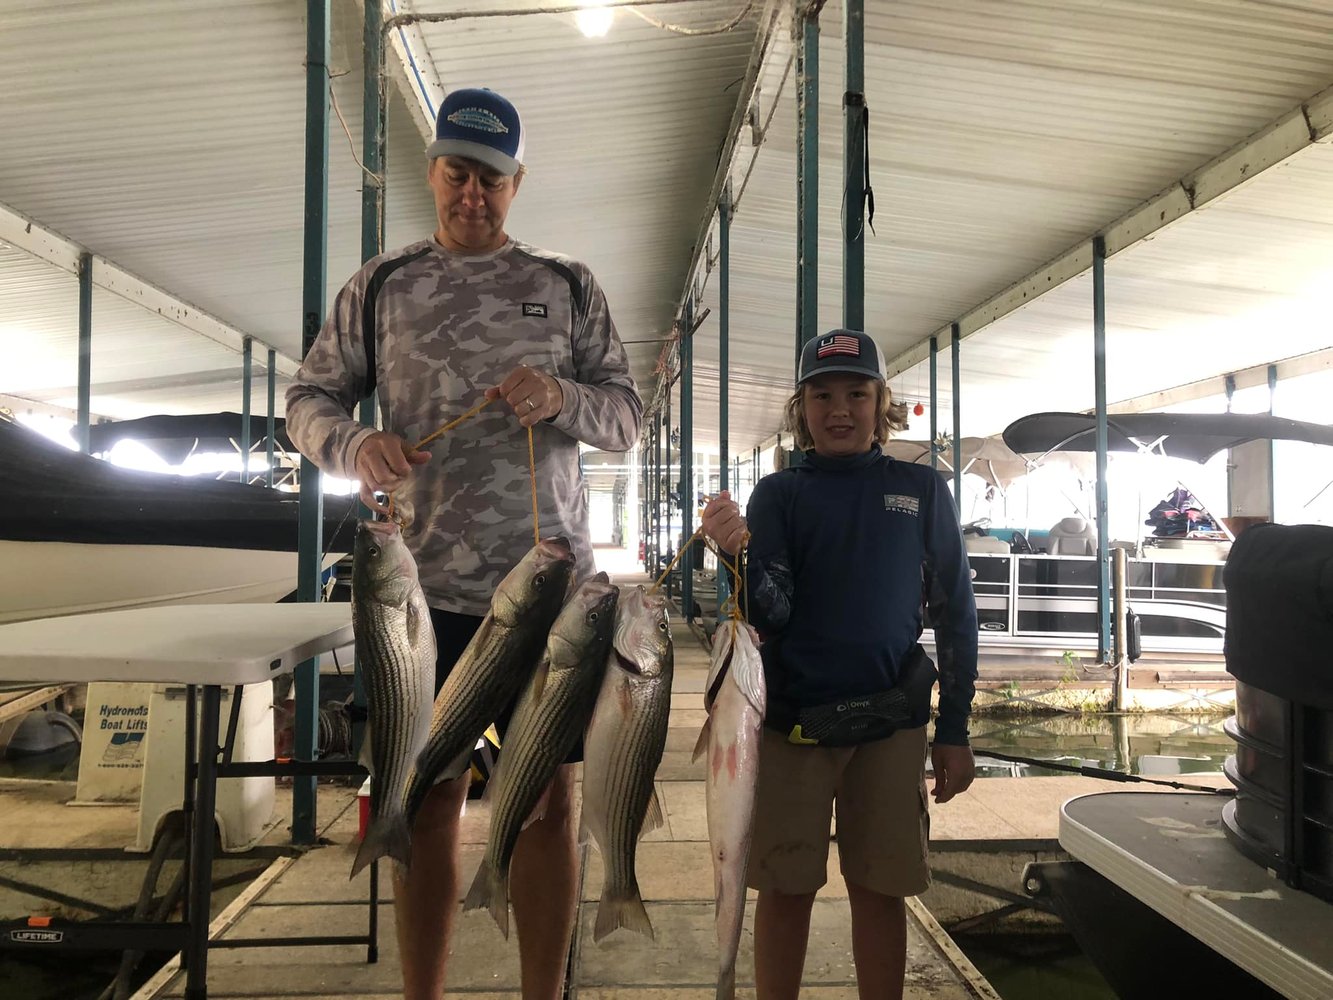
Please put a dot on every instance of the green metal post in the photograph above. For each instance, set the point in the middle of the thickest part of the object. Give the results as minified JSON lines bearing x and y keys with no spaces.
{"x":272,"y":401}
{"x":671,"y":478}
{"x":807,"y":181}
{"x":954,"y":340}
{"x":687,"y":460}
{"x":85,"y":389}
{"x":853,"y":167}
{"x":312,"y":305}
{"x":723,"y":360}
{"x":247,"y":372}
{"x":658,"y":434}
{"x":934,"y":400}
{"x":1099,"y":393}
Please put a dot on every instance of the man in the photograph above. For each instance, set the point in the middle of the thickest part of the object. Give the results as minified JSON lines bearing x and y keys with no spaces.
{"x":436,"y":327}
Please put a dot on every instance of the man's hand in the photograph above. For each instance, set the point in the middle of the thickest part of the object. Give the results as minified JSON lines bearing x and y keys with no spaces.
{"x":533,"y":395}
{"x":383,"y":463}
{"x":722,"y":522}
{"x":954,"y":770}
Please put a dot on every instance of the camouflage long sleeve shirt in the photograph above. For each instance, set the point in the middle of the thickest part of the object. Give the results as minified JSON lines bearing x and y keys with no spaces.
{"x":432,"y":330}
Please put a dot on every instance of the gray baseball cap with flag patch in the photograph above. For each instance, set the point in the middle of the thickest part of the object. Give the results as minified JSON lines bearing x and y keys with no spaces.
{"x":848,"y":351}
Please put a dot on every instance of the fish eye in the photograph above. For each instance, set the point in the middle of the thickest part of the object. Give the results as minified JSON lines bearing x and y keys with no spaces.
{"x":373,"y":551}
{"x":662,"y":626}
{"x":592,"y":616}
{"x":539,"y":579}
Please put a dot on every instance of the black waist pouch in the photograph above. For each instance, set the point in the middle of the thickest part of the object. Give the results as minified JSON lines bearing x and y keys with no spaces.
{"x":866,"y":717}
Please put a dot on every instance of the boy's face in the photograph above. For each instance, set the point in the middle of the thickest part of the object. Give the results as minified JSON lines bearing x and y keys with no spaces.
{"x":840,"y":410}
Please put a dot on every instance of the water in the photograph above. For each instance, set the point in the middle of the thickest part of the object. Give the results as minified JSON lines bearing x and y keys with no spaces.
{"x":1020,"y":972}
{"x":1150,"y":745}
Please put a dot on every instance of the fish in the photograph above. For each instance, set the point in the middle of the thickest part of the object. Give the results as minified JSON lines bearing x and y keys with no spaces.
{"x":495,"y":665}
{"x":547,"y":724}
{"x":395,"y":650}
{"x":621,"y":753}
{"x":735,"y":699}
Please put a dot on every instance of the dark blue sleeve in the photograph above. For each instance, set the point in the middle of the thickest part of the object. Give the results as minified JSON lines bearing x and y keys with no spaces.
{"x":953,"y":613}
{"x":768,"y":577}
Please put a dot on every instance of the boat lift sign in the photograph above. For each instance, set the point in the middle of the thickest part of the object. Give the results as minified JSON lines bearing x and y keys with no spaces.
{"x":115,"y":742}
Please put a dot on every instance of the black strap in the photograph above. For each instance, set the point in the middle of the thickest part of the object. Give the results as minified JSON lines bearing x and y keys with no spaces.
{"x":369,"y":331}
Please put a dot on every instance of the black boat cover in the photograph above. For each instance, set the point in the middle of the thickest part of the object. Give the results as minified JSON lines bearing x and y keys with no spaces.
{"x":51,"y":494}
{"x":1279,"y":583}
{"x":174,"y":438}
{"x":1195,"y":436}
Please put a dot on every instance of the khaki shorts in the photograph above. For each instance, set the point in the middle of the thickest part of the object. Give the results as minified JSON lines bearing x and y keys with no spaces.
{"x":883,"y":822}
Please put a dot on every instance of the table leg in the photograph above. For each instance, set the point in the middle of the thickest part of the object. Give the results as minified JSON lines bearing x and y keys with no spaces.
{"x":201,"y":853}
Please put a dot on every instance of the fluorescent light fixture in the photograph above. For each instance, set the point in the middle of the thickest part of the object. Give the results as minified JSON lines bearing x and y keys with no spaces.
{"x":594,"y":22}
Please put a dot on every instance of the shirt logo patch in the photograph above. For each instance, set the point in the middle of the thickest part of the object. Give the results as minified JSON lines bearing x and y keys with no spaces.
{"x":534,"y":309}
{"x":902,"y":504}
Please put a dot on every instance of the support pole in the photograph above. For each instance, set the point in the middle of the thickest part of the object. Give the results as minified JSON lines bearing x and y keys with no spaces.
{"x":687,"y":460}
{"x":853,"y":168}
{"x":1120,"y":654}
{"x":723,"y":362}
{"x":247,"y":371}
{"x":272,"y":416}
{"x":85,"y":376}
{"x":807,"y":179}
{"x":312,"y":305}
{"x":672,"y":542}
{"x":1272,"y":447}
{"x":934,"y":401}
{"x":954,"y":339}
{"x":1099,"y":392}
{"x":658,"y":462}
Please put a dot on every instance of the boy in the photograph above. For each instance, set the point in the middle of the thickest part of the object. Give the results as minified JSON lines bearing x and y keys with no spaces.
{"x":842,"y":548}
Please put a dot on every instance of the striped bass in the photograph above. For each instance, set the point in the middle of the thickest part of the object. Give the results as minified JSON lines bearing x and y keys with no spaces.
{"x":622,"y":751}
{"x":494,"y":666}
{"x":735,"y":698}
{"x":395,"y":649}
{"x":547,"y":724}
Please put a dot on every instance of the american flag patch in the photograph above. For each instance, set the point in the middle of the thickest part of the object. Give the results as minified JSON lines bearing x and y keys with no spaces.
{"x":839,"y":343}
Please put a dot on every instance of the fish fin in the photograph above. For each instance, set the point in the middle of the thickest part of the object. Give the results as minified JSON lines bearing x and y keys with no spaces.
{"x":364,"y":757}
{"x":748,"y":670}
{"x":539,"y":810}
{"x":538,"y":683}
{"x":726,"y":984}
{"x":627,"y":912}
{"x":387,"y":835}
{"x":490,"y":890}
{"x":702,"y":745}
{"x":654,"y":816}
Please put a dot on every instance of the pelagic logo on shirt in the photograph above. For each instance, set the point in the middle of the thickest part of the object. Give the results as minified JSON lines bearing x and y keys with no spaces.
{"x":534,"y":309}
{"x":902,"y":503}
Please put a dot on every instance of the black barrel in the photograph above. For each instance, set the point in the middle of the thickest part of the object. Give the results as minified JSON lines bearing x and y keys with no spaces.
{"x":1279,"y":647}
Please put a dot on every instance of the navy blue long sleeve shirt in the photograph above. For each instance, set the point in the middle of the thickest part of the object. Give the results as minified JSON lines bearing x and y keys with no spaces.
{"x":841,"y":552}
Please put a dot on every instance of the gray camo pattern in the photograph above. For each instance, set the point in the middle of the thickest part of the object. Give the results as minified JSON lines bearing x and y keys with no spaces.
{"x":448,"y":327}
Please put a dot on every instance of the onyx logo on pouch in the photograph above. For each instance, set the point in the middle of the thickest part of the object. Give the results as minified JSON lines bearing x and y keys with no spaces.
{"x":534,"y":309}
{"x":902,"y":504}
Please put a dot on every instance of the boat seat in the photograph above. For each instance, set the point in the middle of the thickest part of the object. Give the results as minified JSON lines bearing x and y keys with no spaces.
{"x":987,"y":544}
{"x":1072,"y":536}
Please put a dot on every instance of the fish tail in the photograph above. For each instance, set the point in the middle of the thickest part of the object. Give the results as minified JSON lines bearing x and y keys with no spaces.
{"x":490,"y":890}
{"x":726,"y":983}
{"x":622,"y":911}
{"x":386,"y":835}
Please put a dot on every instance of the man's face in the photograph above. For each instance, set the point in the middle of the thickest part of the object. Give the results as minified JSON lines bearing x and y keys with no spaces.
{"x":471,"y":202}
{"x":840,"y":410}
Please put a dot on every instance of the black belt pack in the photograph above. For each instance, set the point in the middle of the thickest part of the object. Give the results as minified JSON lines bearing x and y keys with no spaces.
{"x":869,"y":717}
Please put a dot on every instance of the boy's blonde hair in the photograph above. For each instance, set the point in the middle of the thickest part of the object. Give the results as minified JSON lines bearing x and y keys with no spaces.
{"x":890,"y":417}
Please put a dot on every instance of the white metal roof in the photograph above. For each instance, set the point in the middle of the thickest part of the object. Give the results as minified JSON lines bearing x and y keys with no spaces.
{"x":167,"y":137}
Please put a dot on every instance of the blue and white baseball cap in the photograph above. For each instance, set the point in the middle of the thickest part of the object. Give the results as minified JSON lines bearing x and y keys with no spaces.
{"x":842,"y":351}
{"x":481,"y":125}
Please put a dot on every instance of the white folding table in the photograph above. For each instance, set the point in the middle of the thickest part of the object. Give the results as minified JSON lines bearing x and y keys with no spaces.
{"x":202,"y":646}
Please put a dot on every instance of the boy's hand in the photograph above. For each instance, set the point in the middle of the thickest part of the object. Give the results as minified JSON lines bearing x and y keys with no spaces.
{"x":954,"y":770}
{"x":722,"y":522}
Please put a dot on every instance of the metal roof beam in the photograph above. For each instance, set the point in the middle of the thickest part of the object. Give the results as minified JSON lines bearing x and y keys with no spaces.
{"x":1248,"y":378}
{"x":45,"y":244}
{"x":1307,"y":123}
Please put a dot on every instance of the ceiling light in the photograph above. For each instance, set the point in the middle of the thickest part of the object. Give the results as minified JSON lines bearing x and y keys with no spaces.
{"x":594,"y":22}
